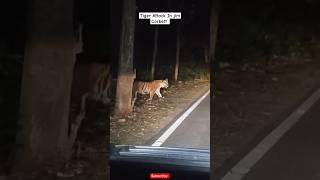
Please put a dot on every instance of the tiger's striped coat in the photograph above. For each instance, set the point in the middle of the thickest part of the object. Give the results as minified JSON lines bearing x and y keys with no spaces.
{"x":151,"y":88}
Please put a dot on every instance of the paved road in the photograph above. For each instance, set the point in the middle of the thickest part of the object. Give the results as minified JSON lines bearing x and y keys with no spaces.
{"x":296,"y":156}
{"x":194,"y":132}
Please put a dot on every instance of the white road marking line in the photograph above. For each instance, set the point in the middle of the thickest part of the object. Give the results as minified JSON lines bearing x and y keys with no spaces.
{"x":176,"y":124}
{"x":245,"y":164}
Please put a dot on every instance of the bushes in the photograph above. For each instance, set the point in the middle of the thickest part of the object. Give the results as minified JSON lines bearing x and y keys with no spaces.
{"x":187,"y":71}
{"x":193,"y":70}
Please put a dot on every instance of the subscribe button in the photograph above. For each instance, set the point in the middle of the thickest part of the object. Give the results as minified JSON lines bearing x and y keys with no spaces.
{"x":160,"y":175}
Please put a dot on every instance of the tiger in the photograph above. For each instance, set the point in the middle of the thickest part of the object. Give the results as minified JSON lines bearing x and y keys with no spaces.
{"x":149,"y":87}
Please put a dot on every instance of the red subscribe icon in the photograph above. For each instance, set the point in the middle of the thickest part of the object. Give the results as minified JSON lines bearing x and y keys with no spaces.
{"x":160,"y":175}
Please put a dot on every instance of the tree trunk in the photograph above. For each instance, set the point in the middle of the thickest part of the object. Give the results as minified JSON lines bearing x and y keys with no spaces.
{"x":206,"y":55}
{"x":155,"y":49}
{"x":214,"y":20}
{"x":176,"y":68}
{"x":125,"y":72}
{"x":43,"y":139}
{"x":215,"y":7}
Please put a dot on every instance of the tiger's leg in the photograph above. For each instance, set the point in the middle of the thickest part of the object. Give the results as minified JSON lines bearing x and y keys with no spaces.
{"x":151,"y":95}
{"x":158,"y":93}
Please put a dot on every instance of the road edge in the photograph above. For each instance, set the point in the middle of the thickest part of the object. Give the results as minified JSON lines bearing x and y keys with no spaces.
{"x":181,"y":117}
{"x":244,"y":166}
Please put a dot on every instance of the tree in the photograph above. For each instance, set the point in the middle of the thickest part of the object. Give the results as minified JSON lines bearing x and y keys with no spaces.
{"x":44,"y":137}
{"x":214,"y":21}
{"x":126,"y":75}
{"x":155,"y":44}
{"x":215,"y":7}
{"x":155,"y":49}
{"x":206,"y":55}
{"x":176,"y":67}
{"x":178,"y":47}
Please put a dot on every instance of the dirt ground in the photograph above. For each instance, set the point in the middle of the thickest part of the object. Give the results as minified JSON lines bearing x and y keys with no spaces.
{"x":148,"y":118}
{"x":250,"y":97}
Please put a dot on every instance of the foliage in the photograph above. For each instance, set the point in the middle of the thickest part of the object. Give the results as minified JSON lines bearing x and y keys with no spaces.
{"x":193,"y":70}
{"x":249,"y":31}
{"x":187,"y":71}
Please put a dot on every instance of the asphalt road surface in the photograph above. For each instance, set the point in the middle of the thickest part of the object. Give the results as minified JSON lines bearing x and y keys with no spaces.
{"x":194,"y":131}
{"x":296,"y":156}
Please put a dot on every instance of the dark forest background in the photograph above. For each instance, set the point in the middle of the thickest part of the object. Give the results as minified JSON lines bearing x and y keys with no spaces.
{"x":194,"y":38}
{"x":263,"y":30}
{"x":249,"y":31}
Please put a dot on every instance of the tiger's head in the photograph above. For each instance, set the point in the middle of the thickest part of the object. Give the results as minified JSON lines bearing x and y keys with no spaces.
{"x":165,"y":83}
